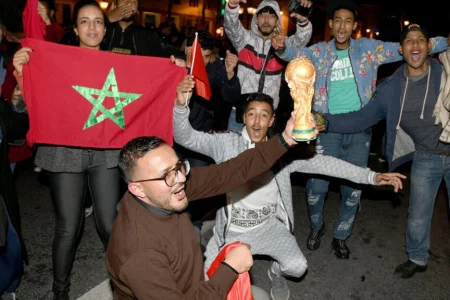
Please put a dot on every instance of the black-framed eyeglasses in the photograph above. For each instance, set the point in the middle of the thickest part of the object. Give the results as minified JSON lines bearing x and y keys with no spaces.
{"x":171,"y":176}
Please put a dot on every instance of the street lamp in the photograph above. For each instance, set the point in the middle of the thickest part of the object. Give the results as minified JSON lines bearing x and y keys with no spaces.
{"x":406,"y":22}
{"x":104,"y":4}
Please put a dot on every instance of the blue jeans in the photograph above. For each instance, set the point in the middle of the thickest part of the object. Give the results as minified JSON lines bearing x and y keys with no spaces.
{"x":232,"y":124}
{"x":353,"y":148}
{"x":426,"y":175}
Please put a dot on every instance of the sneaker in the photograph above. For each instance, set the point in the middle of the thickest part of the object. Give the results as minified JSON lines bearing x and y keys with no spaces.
{"x":408,"y":269}
{"x":340,"y":248}
{"x":313,"y":242}
{"x":8,"y":296}
{"x":279,"y":289}
{"x":88,"y":211}
{"x":61,"y":296}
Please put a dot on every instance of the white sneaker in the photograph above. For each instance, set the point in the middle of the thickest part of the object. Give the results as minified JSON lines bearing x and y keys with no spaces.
{"x":8,"y":296}
{"x":279,"y":289}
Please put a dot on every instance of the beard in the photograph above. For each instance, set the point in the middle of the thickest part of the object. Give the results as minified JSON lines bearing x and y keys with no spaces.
{"x":266,"y":31}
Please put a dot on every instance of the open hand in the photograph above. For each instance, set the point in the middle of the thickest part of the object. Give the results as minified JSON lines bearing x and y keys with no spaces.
{"x":393,"y":179}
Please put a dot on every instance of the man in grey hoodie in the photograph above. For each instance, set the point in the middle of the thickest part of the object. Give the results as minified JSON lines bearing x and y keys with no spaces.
{"x":254,"y":48}
{"x":260,"y":212}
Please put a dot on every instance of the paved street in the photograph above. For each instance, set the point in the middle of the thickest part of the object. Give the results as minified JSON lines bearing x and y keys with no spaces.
{"x":377,"y":245}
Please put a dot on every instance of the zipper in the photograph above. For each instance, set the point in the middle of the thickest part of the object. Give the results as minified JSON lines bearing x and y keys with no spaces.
{"x":354,"y":78}
{"x":121,"y":37}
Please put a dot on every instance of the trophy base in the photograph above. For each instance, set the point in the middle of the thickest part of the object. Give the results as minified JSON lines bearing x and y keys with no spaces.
{"x":304,"y":135}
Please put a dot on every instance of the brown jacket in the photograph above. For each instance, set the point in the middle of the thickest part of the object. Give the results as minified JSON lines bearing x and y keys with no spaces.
{"x":155,"y":256}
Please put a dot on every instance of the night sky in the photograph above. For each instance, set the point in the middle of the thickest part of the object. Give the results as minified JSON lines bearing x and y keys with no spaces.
{"x":432,"y":14}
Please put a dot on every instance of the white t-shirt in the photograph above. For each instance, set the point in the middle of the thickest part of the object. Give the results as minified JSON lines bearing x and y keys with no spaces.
{"x":254,"y":202}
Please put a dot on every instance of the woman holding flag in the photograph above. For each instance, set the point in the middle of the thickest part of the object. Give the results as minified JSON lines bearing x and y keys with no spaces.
{"x":74,"y":170}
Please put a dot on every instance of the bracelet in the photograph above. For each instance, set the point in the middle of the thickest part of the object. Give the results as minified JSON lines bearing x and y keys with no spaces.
{"x":230,"y":267}
{"x":303,"y":24}
{"x":283,"y":141}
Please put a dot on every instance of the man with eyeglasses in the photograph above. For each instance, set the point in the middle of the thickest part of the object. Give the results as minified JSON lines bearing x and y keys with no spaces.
{"x":153,"y":251}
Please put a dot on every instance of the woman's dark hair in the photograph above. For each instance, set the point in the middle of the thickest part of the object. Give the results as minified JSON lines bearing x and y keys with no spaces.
{"x":79,"y":5}
{"x":69,"y":37}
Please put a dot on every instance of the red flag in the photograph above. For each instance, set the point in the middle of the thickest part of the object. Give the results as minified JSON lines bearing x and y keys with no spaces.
{"x":199,"y":71}
{"x":87,"y":98}
{"x":33,"y":25}
{"x":241,"y":288}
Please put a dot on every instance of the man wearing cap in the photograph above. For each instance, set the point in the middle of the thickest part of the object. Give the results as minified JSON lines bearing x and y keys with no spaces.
{"x":408,"y":100}
{"x":255,"y":52}
{"x":346,"y":79}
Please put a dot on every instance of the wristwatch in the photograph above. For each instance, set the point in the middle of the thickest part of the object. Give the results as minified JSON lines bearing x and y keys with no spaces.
{"x":283,"y":141}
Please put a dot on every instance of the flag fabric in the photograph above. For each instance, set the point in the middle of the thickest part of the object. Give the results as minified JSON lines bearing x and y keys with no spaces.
{"x":93,"y":99}
{"x":241,"y":289}
{"x":33,"y":25}
{"x":199,"y":71}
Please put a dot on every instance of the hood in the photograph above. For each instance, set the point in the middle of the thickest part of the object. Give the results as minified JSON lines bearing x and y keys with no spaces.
{"x":264,"y":3}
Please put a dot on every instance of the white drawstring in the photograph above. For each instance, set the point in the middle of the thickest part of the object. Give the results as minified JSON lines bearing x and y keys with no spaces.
{"x":426,"y":92}
{"x":403,"y":103}
{"x":424,"y":100}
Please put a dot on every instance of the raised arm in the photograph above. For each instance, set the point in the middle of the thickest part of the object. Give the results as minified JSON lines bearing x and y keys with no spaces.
{"x":303,"y":30}
{"x":208,"y":144}
{"x":288,"y":51}
{"x":236,"y":33}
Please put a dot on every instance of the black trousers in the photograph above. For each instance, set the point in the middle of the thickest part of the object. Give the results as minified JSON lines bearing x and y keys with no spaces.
{"x":68,"y":194}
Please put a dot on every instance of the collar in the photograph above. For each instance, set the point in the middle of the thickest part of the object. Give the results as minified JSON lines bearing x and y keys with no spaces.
{"x":151,"y":208}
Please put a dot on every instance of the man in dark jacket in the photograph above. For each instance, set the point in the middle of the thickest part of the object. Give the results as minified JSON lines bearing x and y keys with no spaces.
{"x":408,"y":102}
{"x":124,"y":35}
{"x":13,"y":125}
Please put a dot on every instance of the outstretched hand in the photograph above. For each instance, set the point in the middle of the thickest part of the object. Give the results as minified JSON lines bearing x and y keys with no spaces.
{"x":393,"y":179}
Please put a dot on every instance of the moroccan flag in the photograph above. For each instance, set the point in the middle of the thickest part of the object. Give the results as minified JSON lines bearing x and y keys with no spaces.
{"x":242,"y":287}
{"x":199,"y":71}
{"x":33,"y":25}
{"x":86,"y":98}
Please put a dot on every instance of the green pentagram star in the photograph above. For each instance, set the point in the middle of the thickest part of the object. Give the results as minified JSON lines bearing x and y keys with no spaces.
{"x":110,"y":82}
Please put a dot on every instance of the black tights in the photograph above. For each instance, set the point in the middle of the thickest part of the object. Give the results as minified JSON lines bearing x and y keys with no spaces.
{"x":68,"y":193}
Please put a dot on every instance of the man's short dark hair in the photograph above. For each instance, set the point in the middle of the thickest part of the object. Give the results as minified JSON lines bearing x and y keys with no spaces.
{"x":204,"y":37}
{"x":267,"y":9}
{"x":259,"y":97}
{"x":134,"y":150}
{"x":336,"y":5}
{"x":50,"y":4}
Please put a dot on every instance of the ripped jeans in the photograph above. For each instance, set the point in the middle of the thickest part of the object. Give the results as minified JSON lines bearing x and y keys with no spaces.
{"x":353,"y":148}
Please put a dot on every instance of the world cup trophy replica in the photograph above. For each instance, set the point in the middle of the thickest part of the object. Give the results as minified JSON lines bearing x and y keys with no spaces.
{"x":300,"y":76}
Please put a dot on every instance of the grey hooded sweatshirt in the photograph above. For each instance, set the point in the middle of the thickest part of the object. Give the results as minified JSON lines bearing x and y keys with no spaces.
{"x":253,"y":49}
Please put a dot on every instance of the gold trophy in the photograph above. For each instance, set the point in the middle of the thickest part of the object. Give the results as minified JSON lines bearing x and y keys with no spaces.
{"x":300,"y":76}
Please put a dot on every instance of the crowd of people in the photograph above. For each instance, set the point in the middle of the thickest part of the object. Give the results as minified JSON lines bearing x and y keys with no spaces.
{"x":227,"y":154}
